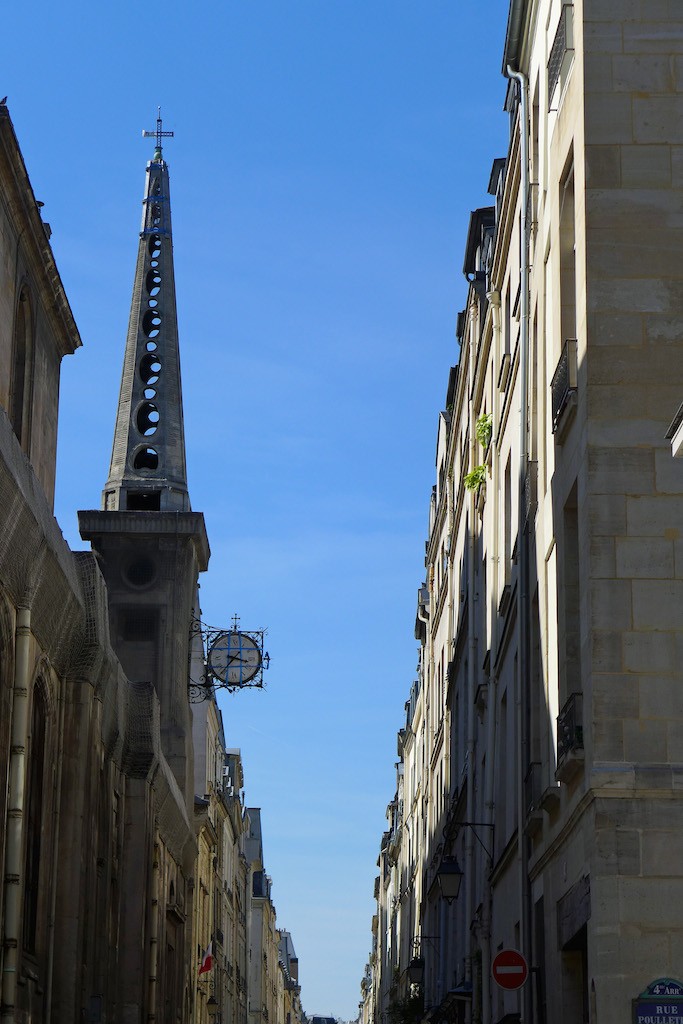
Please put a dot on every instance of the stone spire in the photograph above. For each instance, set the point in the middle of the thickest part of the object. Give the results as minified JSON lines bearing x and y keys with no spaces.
{"x":147,"y":470}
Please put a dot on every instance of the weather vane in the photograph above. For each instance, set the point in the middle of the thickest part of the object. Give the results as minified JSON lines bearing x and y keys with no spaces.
{"x":158,"y":134}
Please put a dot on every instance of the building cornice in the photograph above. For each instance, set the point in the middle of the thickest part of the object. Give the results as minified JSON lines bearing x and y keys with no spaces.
{"x":24,"y":212}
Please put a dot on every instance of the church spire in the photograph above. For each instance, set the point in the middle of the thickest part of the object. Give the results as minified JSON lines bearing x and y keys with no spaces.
{"x":147,"y":470}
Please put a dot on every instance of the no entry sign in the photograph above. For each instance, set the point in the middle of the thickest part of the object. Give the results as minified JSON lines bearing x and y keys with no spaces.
{"x":509,"y":969}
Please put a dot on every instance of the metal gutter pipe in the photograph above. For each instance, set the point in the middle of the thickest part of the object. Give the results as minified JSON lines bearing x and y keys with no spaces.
{"x":491,"y":704}
{"x":522,"y":552}
{"x":471,"y":583}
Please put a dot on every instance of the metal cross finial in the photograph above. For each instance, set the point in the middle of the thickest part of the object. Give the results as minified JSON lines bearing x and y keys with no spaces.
{"x":158,"y":134}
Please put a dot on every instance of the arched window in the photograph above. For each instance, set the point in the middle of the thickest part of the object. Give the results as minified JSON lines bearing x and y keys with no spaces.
{"x":34,"y":816}
{"x":21,"y":384}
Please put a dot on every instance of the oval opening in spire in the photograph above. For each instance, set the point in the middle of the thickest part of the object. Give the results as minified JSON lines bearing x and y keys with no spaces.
{"x":147,"y":419}
{"x":151,"y":322}
{"x":150,"y":367}
{"x":146,"y":458}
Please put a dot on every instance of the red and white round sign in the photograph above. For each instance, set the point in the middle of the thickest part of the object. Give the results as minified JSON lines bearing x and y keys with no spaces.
{"x":509,"y":969}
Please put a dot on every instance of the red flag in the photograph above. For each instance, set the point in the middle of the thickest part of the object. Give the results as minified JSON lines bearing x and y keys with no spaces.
{"x":207,"y":959}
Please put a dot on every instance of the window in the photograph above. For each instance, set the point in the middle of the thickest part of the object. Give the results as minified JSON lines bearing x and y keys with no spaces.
{"x":570,"y":594}
{"x":507,"y":523}
{"x":21,"y":383}
{"x":567,"y":253}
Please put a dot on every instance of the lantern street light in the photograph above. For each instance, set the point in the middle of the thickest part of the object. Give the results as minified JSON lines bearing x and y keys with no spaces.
{"x":449,"y":876}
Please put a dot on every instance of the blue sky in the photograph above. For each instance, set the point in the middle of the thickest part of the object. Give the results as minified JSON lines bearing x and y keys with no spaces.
{"x":326,"y":158}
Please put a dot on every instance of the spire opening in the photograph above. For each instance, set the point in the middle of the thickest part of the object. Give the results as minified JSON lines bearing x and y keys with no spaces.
{"x":147,"y":419}
{"x":146,"y":458}
{"x":150,"y":368}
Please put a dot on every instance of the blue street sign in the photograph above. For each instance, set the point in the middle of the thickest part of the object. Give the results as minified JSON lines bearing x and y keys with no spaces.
{"x":660,"y":1003}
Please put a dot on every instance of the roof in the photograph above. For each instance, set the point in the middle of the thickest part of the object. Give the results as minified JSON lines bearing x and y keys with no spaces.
{"x":514,"y":34}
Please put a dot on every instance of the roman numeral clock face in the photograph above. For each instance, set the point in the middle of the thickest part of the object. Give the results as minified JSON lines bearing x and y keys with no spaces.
{"x":234,"y":658}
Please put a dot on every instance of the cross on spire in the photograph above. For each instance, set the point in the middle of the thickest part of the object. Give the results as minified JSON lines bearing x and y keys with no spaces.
{"x":158,"y":134}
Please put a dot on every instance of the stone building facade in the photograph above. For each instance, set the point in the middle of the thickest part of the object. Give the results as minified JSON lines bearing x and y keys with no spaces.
{"x":541,"y":756}
{"x":97,"y":846}
{"x":124,"y":828}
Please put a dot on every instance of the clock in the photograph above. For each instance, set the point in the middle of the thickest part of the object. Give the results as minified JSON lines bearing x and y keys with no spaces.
{"x":234,"y":658}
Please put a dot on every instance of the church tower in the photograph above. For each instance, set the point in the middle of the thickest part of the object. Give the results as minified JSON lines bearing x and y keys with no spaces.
{"x":151,"y":546}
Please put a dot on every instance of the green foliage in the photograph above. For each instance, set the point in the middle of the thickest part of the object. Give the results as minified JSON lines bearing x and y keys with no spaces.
{"x":484,"y":429}
{"x":475,"y":479}
{"x":406,"y":1011}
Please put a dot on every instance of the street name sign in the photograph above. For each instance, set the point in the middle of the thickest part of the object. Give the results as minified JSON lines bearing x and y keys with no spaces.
{"x":660,"y":1003}
{"x":510,"y":970}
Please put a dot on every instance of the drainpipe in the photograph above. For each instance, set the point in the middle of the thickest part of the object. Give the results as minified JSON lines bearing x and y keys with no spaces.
{"x":522,"y":552}
{"x":491,"y":703}
{"x":471,"y":675}
{"x":15,"y":813}
{"x":55,"y":861}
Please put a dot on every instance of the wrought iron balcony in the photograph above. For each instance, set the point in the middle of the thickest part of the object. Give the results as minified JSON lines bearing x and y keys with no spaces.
{"x":530,"y":490}
{"x":564,"y":383}
{"x":532,"y":798}
{"x":532,"y":786}
{"x":570,"y":738}
{"x":563,"y":46}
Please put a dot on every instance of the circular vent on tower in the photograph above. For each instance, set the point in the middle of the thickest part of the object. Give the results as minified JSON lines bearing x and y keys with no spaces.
{"x":140,"y":572}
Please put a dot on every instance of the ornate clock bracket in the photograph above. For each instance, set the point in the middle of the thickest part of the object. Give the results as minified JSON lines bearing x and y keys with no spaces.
{"x":232,"y":659}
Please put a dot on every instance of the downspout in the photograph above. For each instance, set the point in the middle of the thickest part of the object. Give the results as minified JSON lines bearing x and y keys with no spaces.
{"x":55,"y":863}
{"x":471,"y":676}
{"x":450,"y":520}
{"x":15,"y":813}
{"x":491,"y":703}
{"x":522,"y":552}
{"x":445,"y":923}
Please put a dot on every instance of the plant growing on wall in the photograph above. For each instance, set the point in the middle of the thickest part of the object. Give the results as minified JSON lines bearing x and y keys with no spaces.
{"x":406,"y":1011}
{"x":475,"y":478}
{"x":484,"y":429}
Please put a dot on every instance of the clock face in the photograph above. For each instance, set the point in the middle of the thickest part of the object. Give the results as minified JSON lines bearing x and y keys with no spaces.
{"x":234,"y":658}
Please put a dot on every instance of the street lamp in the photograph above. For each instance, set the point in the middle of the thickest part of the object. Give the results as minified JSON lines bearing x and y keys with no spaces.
{"x":416,"y":970}
{"x":449,"y":877}
{"x":212,"y":1006}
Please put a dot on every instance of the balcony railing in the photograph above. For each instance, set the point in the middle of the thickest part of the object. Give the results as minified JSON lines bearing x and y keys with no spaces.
{"x":530,"y":490}
{"x":563,"y":45}
{"x":570,"y":737}
{"x":532,"y":786}
{"x":532,"y":798}
{"x":564,"y":383}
